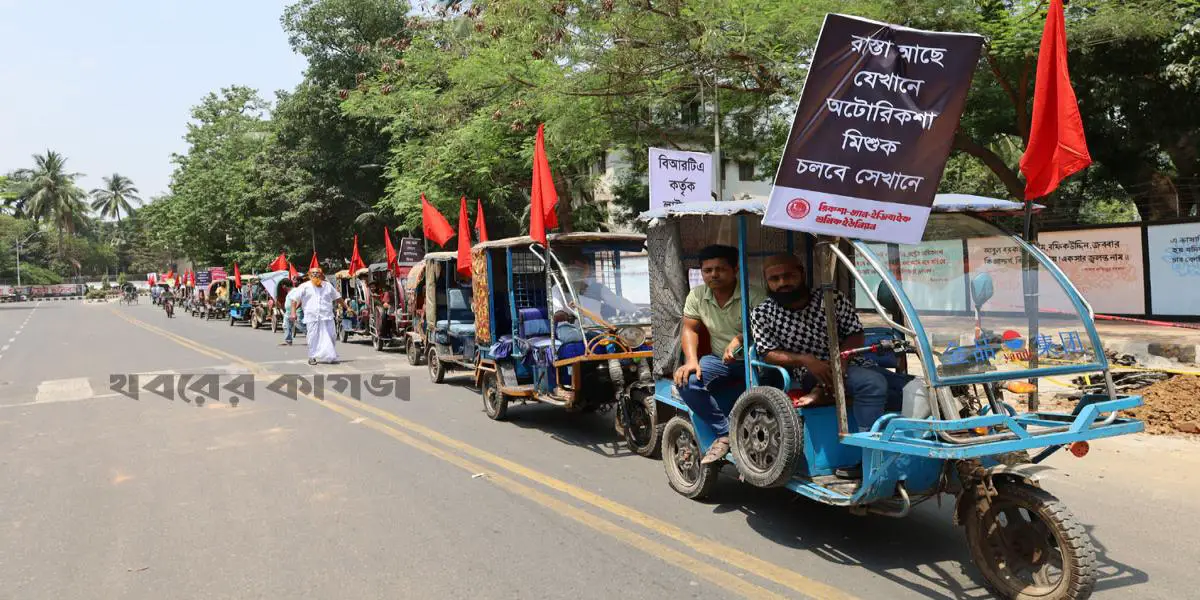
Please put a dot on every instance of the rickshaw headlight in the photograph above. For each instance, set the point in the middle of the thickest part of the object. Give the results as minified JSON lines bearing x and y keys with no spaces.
{"x":632,"y":336}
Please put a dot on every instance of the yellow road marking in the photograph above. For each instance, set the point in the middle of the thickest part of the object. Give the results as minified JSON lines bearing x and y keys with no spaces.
{"x":707,"y":547}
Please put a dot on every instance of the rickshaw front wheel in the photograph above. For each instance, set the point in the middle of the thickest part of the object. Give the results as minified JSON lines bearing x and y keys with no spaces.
{"x":437,"y":371}
{"x":495,"y":403}
{"x":639,"y":422}
{"x":681,"y":460}
{"x":414,"y":354}
{"x":1029,"y":546}
{"x":766,"y":436}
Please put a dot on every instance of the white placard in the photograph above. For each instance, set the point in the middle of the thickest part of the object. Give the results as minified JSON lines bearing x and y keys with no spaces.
{"x":1174,"y":268}
{"x":677,"y":177}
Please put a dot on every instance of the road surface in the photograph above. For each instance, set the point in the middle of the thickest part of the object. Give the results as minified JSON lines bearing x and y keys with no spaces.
{"x":108,"y":497}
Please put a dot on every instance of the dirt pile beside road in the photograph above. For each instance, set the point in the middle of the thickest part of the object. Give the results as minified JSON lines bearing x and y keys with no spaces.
{"x":1171,"y":406}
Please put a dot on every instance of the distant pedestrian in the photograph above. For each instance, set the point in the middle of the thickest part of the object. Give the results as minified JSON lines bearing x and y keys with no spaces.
{"x":318,"y":297}
{"x":289,"y":317}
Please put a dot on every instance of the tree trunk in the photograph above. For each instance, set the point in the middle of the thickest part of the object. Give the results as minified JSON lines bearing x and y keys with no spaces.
{"x":1010,"y":179}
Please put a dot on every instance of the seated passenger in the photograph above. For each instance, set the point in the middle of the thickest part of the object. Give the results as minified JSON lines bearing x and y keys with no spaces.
{"x":717,"y":305}
{"x":789,"y":331}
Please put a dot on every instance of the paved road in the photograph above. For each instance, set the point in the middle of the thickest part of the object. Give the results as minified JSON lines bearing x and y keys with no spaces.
{"x":107,"y":497}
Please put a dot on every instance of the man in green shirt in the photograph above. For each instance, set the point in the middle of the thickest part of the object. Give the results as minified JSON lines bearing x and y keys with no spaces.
{"x":717,"y":305}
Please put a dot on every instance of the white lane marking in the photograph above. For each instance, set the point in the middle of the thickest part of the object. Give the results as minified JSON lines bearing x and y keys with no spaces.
{"x":64,"y":390}
{"x":4,"y":349}
{"x":12,"y":339}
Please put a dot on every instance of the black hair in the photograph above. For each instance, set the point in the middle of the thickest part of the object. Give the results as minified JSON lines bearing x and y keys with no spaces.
{"x":729,"y":254}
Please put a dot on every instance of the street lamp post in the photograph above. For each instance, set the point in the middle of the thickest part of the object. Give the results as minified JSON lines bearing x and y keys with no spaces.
{"x":19,"y":244}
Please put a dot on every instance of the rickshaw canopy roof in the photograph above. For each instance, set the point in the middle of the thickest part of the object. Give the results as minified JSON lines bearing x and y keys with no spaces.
{"x":576,"y":237}
{"x":362,"y":272}
{"x":416,"y":277}
{"x":380,"y":267}
{"x":441,"y":256}
{"x":343,"y":274}
{"x":942,"y":203}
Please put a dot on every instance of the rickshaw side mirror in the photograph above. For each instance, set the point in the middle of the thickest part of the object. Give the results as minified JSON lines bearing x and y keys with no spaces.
{"x":982,"y":289}
{"x":887,"y":300}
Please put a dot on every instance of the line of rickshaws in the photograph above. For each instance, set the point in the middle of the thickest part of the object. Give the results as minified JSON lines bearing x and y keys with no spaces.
{"x":376,"y":298}
{"x":570,"y":324}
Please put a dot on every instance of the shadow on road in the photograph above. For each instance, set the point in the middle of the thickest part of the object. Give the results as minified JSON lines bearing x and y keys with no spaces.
{"x":924,"y":553}
{"x":593,"y":431}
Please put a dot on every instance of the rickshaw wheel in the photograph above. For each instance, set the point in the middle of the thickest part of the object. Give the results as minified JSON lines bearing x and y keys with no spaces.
{"x":378,"y":341}
{"x":766,"y":436}
{"x":1030,"y":547}
{"x":495,"y":403}
{"x":644,"y":434}
{"x":681,"y":460}
{"x":437,"y":371}
{"x":414,"y":355}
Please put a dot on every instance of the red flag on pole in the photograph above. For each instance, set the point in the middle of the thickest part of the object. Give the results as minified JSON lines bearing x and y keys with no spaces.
{"x":1057,"y":148}
{"x":464,"y":239}
{"x":436,"y":227}
{"x":314,"y":263}
{"x":237,"y":276}
{"x":391,"y":250}
{"x":543,"y":182}
{"x":292,"y":272}
{"x":480,"y":225}
{"x":279,"y":264}
{"x":356,"y":261}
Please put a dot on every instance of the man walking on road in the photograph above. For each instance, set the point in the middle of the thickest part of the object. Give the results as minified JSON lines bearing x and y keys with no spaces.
{"x":317,"y":298}
{"x":292,"y":298}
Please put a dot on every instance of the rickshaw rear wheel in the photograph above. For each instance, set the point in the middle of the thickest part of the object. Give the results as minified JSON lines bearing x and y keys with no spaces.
{"x":766,"y":436}
{"x":437,"y":371}
{"x":414,"y":354}
{"x":681,"y":460}
{"x":644,"y":435}
{"x":1030,"y":547}
{"x":495,"y":402}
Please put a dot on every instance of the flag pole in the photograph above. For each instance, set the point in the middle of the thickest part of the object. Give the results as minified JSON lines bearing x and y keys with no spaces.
{"x":1030,"y":284}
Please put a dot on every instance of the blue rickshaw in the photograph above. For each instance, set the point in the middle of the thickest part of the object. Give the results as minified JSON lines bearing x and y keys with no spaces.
{"x":241,"y":302}
{"x":982,"y":312}
{"x":568,"y":325}
{"x":448,"y":325}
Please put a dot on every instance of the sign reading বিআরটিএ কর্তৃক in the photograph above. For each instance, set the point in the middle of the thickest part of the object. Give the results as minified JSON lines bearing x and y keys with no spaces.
{"x":873,"y":130}
{"x":677,"y":176}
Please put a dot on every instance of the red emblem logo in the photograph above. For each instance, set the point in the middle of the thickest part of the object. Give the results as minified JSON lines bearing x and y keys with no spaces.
{"x":798,"y":208}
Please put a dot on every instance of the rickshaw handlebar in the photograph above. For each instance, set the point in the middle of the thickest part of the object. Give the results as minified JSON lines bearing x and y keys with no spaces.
{"x":893,"y":345}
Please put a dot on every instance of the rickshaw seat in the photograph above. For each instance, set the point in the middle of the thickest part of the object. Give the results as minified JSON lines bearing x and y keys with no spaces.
{"x":458,"y":308}
{"x":533,"y":323}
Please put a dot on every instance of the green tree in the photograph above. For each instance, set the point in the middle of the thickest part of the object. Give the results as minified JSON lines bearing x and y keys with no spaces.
{"x":116,"y":197}
{"x":48,"y":193}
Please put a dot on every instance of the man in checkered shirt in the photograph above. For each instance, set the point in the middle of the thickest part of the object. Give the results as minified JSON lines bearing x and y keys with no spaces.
{"x":789,"y":331}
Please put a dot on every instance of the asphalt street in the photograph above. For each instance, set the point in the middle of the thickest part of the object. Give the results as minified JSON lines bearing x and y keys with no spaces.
{"x":104,"y":496}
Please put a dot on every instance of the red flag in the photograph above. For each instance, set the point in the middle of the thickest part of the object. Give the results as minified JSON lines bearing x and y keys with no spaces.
{"x":314,"y":263}
{"x":436,"y":227}
{"x":292,"y":272}
{"x":356,"y":261}
{"x":480,"y":225}
{"x":543,"y":182}
{"x":279,"y":264}
{"x":1057,"y":148}
{"x":464,"y":239}
{"x":387,"y":246}
{"x":237,"y":276}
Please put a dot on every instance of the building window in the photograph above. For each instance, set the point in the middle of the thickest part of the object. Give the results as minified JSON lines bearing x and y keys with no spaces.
{"x":691,"y":113}
{"x":745,"y":170}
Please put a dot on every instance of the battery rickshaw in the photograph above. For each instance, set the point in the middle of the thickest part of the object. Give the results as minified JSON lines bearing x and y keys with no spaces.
{"x":447,"y":327}
{"x":1003,"y":316}
{"x":568,"y":325}
{"x":241,"y":302}
{"x":354,"y":319}
{"x":413,"y":336}
{"x":385,"y":306}
{"x":216,"y":301}
{"x":275,"y":286}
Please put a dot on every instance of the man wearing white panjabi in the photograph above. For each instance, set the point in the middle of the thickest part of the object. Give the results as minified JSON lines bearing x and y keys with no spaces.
{"x":318,"y":297}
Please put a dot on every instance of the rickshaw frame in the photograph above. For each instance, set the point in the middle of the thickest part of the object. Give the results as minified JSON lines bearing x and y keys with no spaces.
{"x":349,"y":323}
{"x":438,"y":273}
{"x":628,"y":368}
{"x":245,"y":310}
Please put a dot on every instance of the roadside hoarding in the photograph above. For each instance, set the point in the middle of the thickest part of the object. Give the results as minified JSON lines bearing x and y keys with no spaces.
{"x":677,"y":177}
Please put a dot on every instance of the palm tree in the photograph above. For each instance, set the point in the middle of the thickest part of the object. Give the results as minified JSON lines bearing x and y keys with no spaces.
{"x":47,"y":192}
{"x":116,"y":197}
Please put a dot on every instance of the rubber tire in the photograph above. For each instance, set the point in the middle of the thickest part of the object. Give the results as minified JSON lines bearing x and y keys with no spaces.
{"x":646,"y":401}
{"x":702,"y":486}
{"x":344,"y":333}
{"x":437,"y":371}
{"x":791,"y":436}
{"x":1078,"y":553}
{"x":491,"y":385}
{"x":414,"y":355}
{"x":378,"y":341}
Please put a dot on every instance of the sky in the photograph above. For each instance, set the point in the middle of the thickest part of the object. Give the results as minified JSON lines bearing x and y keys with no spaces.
{"x":110,"y":83}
